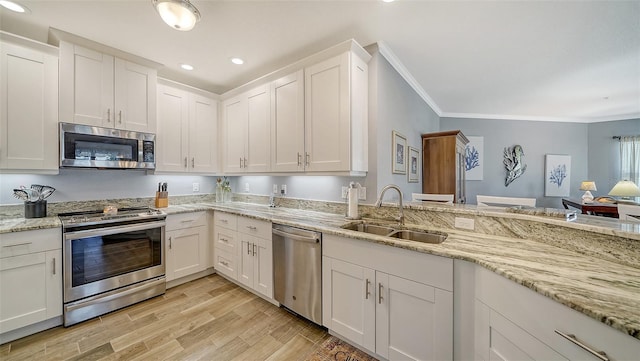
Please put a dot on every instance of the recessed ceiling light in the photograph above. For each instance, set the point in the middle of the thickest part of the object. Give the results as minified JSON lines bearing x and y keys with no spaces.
{"x":186,"y":66}
{"x":237,"y":61}
{"x":13,"y":6}
{"x":605,"y":98}
{"x":388,"y":1}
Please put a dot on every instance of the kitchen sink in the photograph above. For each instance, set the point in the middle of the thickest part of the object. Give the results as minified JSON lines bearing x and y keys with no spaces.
{"x":395,"y":232}
{"x":419,"y":236}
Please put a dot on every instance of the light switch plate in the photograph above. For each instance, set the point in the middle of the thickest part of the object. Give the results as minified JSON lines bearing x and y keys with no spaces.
{"x":344,"y":192}
{"x":362,"y":193}
{"x":464,"y":223}
{"x":275,"y":189}
{"x":283,"y":189}
{"x":246,"y":187}
{"x":196,"y":187}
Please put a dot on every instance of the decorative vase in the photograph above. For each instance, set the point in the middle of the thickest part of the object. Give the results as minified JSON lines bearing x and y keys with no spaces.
{"x":227,"y":195}
{"x":219,"y":193}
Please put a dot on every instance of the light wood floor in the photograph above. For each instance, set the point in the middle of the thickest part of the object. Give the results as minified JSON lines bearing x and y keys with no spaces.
{"x":207,"y":319}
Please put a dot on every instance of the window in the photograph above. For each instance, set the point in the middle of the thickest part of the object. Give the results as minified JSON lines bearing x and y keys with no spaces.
{"x":630,"y":158}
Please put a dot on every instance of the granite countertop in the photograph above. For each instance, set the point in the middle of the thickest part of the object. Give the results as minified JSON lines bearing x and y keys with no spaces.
{"x":604,"y":290}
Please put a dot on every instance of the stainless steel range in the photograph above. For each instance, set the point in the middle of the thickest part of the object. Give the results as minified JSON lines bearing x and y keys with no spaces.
{"x":111,"y":260}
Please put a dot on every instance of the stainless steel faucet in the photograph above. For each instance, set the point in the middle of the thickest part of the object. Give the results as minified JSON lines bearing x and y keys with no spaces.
{"x":379,"y":201}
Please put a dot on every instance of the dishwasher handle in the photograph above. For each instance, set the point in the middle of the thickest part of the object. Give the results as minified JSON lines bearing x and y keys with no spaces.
{"x":296,"y":236}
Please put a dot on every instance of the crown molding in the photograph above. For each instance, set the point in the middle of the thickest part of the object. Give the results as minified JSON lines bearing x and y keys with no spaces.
{"x":395,"y":62}
{"x":541,"y":119}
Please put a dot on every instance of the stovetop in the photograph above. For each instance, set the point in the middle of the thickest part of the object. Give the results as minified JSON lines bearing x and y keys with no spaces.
{"x":141,"y":214}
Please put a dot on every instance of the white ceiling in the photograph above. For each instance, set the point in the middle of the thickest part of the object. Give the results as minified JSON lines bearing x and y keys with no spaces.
{"x":552,"y":60}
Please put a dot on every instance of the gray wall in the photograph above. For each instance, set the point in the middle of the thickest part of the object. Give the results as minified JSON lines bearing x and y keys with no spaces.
{"x":604,"y":152}
{"x":536,"y":139}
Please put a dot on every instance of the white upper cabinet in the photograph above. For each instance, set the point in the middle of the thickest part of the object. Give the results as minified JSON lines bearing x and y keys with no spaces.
{"x":28,"y":99}
{"x":187,"y":131}
{"x":336,"y":115}
{"x":247,"y":122}
{"x":287,"y":123}
{"x":99,"y":89}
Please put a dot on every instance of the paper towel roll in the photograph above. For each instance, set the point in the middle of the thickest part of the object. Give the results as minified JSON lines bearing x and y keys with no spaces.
{"x":353,"y":203}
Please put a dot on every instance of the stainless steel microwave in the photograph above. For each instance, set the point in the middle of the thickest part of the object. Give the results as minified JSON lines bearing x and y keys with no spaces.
{"x":84,"y":146}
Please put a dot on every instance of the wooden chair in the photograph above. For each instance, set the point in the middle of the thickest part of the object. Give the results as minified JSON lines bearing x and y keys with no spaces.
{"x":442,"y":198}
{"x":629,"y":212}
{"x":488,"y":201}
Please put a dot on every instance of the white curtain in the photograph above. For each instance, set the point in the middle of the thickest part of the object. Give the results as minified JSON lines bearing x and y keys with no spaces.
{"x":630,"y":158}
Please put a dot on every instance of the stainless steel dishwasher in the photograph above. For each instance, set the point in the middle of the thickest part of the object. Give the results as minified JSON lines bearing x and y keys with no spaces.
{"x":297,"y":270}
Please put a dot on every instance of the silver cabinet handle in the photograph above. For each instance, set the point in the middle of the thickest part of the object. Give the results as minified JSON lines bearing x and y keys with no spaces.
{"x":224,"y":263}
{"x":53,"y":265}
{"x":599,"y":354}
{"x":307,"y":158}
{"x":185,"y":162}
{"x":248,"y":248}
{"x":299,"y":159}
{"x":253,"y":228}
{"x":240,"y":162}
{"x":193,"y":162}
{"x":380,"y":298}
{"x":224,"y":221}
{"x":17,"y":244}
{"x":120,"y":117}
{"x":367,"y":293}
{"x":254,"y":250}
{"x":170,"y":243}
{"x":245,"y":162}
{"x":108,"y":115}
{"x":224,"y":240}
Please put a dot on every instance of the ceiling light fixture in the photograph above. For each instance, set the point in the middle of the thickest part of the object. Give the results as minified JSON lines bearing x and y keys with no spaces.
{"x":13,"y":6}
{"x":178,"y":14}
{"x":186,"y":66}
{"x":237,"y":61}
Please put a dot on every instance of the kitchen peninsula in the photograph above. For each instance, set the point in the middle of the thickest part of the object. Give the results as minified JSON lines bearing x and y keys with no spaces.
{"x":588,"y":265}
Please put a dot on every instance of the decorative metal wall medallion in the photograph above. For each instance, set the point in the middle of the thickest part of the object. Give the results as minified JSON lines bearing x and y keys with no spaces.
{"x":513,"y":163}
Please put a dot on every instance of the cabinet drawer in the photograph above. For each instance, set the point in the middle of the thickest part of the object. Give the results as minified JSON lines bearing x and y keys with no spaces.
{"x":186,"y":220}
{"x":254,"y":227}
{"x":39,"y":240}
{"x":225,"y":220}
{"x":226,"y":240}
{"x":225,"y":263}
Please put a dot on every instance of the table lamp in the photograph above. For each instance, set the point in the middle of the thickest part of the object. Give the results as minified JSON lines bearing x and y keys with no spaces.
{"x":588,"y":186}
{"x":625,"y":189}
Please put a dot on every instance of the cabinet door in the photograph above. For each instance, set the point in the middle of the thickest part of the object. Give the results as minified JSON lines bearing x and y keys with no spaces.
{"x":263,"y":267}
{"x":414,"y":321}
{"x":258,"y":146}
{"x":172,"y":134}
{"x":187,"y":252}
{"x":235,"y":125}
{"x":22,"y":305}
{"x":86,"y":86}
{"x":287,"y":123}
{"x":245,"y":260}
{"x":327,"y":115}
{"x":348,"y":301}
{"x":29,"y":117}
{"x":203,"y":134}
{"x":135,"y":97}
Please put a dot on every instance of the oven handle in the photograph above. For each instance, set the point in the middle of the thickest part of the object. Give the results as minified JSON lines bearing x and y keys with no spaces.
{"x":112,"y":230}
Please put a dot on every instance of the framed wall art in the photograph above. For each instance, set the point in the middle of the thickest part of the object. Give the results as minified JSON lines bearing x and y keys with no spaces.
{"x":414,"y":165}
{"x":398,"y":153}
{"x":474,"y":158}
{"x":557,"y":175}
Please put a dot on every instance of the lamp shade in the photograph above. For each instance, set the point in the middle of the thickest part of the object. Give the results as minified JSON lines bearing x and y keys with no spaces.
{"x":588,"y":186}
{"x":178,"y":14}
{"x":625,"y":188}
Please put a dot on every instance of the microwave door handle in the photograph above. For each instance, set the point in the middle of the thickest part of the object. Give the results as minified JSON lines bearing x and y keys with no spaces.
{"x":112,"y":230}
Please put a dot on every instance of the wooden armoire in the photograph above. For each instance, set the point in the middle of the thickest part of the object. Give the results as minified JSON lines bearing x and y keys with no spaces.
{"x":443,"y":164}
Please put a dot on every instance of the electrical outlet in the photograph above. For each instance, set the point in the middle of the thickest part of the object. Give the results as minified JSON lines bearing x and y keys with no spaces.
{"x":345,"y":191}
{"x":246,"y":187}
{"x":275,"y":189}
{"x":196,"y":187}
{"x":362,"y":193}
{"x":464,"y":223}
{"x":283,"y":189}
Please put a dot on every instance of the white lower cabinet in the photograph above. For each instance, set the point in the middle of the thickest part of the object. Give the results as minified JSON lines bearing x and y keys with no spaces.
{"x":395,"y":303}
{"x":30,"y":277}
{"x":513,"y":322}
{"x":187,"y":244}
{"x":244,"y":252}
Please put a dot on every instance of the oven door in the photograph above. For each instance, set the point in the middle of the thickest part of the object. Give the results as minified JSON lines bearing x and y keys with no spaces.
{"x":106,"y":258}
